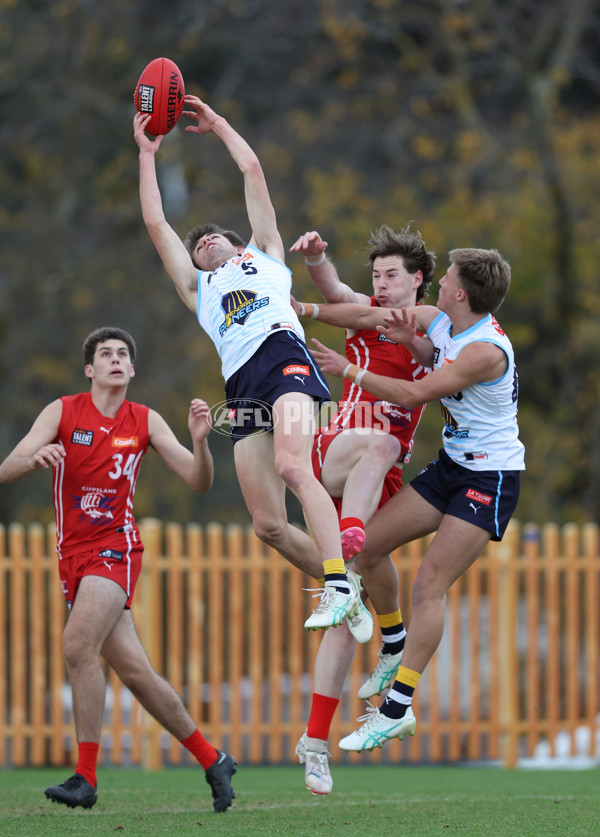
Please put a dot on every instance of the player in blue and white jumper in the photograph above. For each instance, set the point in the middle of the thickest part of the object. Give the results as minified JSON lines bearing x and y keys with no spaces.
{"x":468,"y":494}
{"x":240,"y":293}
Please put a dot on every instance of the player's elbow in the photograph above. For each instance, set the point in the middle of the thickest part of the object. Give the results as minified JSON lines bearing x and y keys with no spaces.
{"x":155,"y":224}
{"x":250,"y":166}
{"x":364,"y":319}
{"x":410,"y":400}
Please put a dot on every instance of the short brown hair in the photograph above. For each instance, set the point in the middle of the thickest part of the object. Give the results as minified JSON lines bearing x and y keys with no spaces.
{"x":195,"y":234}
{"x":101,"y":335}
{"x":484,"y":275}
{"x":410,"y":247}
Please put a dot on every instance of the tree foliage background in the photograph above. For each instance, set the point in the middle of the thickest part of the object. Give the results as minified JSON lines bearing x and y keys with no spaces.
{"x":477,"y":120}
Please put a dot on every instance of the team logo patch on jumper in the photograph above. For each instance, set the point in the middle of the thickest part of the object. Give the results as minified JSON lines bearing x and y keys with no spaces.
{"x":95,"y":505}
{"x":82,"y":437}
{"x":111,"y":553}
{"x":238,"y":305}
{"x":124,"y":441}
{"x":296,"y":369}
{"x":484,"y":499}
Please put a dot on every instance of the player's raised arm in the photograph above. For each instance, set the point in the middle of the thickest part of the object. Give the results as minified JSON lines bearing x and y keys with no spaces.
{"x":261,"y":213}
{"x":197,"y":468}
{"x":171,"y":250}
{"x":323,"y":272}
{"x":37,"y":449}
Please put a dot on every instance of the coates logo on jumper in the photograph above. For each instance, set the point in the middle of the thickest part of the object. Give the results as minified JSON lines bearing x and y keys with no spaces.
{"x":238,"y":305}
{"x":240,"y":416}
{"x":124,"y":441}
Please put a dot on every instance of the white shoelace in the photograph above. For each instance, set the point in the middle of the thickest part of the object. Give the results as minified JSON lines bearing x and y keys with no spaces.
{"x":323,"y":592}
{"x":371,"y":715}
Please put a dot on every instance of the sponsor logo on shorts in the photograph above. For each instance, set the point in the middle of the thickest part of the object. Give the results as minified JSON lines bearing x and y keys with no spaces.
{"x":124,"y":441}
{"x":484,"y":499}
{"x":111,"y":553}
{"x":296,"y":370}
{"x":82,"y":437}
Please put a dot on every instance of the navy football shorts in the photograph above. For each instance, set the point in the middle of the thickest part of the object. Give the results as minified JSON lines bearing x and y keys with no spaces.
{"x":281,"y":364}
{"x":484,"y":498}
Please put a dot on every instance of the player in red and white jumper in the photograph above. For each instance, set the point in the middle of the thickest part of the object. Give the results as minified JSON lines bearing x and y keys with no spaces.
{"x":359,"y":458}
{"x":94,"y":442}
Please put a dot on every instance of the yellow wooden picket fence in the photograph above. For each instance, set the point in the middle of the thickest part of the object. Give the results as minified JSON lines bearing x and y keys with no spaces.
{"x":221,"y":617}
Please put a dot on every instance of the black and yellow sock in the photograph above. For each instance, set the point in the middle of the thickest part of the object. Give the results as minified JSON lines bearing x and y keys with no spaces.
{"x":393,"y":632}
{"x":335,"y":575}
{"x":400,"y":696}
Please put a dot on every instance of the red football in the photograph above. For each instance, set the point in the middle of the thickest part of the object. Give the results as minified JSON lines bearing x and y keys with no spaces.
{"x":160,"y":91}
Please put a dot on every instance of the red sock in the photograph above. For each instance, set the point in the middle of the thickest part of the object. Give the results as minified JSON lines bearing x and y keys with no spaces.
{"x":86,"y":761}
{"x":321,"y":715}
{"x":199,"y":747}
{"x":348,"y":522}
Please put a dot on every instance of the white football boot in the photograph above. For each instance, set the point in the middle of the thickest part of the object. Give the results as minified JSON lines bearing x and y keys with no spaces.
{"x":361,"y":623}
{"x":377,"y":729}
{"x":313,"y":753}
{"x":382,"y":676}
{"x":333,"y":608}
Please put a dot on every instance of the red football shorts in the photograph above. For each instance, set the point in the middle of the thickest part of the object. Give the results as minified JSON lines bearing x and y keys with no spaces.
{"x":392,"y":483}
{"x":121,"y":567}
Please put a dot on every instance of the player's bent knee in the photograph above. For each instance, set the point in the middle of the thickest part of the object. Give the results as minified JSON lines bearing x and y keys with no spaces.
{"x":384,"y":447}
{"x":138,"y":678}
{"x":426,"y":590}
{"x":270,"y":532}
{"x":294,"y":473}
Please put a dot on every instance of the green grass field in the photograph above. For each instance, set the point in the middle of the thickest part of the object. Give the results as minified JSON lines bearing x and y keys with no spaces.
{"x":366,"y":800}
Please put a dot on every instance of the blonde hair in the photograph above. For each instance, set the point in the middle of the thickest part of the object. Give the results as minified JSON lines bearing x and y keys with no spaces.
{"x":484,"y":275}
